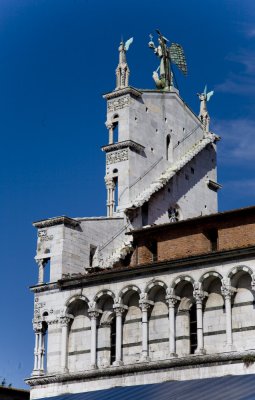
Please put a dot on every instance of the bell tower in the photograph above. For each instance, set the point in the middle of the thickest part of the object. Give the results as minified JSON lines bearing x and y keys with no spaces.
{"x":160,"y":156}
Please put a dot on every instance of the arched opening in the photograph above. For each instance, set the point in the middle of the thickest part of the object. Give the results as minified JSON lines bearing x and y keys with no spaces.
{"x":214,"y":318}
{"x":186,"y":335}
{"x":106,"y":332}
{"x":115,"y":124}
{"x":243,"y":313}
{"x":116,"y":193}
{"x":158,"y":324}
{"x":79,"y":337}
{"x":132,"y":335}
{"x":44,"y":346}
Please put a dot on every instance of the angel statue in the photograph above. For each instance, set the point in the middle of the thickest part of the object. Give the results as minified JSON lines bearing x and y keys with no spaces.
{"x":167,"y":55}
{"x":203,"y":113}
{"x":122,"y":70}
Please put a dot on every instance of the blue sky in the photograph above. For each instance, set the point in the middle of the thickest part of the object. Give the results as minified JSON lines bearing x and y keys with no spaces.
{"x":57,"y":57}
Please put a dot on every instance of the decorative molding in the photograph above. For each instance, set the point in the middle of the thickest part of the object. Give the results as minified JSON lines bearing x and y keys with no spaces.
{"x":123,"y":145}
{"x":43,"y":237}
{"x":117,"y":156}
{"x":56,"y":221}
{"x":141,"y":367}
{"x":118,"y":104}
{"x":120,"y":92}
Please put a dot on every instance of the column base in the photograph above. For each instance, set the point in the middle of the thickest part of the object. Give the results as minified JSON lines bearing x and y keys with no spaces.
{"x":37,"y":372}
{"x":230,"y":347}
{"x":144,"y":358}
{"x":200,"y":351}
{"x":65,"y":370}
{"x":93,"y":366}
{"x":173,"y":355}
{"x":118,"y":363}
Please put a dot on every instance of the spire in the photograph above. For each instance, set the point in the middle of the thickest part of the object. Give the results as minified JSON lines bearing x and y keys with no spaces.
{"x":122,"y":70}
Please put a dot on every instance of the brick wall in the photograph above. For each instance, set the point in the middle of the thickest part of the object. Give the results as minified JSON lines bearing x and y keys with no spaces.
{"x":219,"y":232}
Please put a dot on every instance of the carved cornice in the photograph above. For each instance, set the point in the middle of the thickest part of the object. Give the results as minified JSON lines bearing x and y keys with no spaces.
{"x":178,"y":362}
{"x":123,"y":145}
{"x":121,"y":92}
{"x":45,"y":223}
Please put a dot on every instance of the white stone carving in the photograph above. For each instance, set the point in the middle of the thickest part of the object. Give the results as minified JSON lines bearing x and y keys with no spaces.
{"x":118,"y":104}
{"x":117,"y":156}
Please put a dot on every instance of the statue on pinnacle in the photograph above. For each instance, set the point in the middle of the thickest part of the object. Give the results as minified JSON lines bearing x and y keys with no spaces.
{"x":173,"y":54}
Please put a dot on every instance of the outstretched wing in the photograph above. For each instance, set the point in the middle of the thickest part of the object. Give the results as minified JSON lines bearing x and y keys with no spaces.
{"x":177,"y":57}
{"x":128,"y":43}
{"x":209,"y":95}
{"x":205,"y":89}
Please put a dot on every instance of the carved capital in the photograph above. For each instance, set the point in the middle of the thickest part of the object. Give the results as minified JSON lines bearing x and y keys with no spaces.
{"x":171,"y":299}
{"x":227,"y":291}
{"x":93,"y":313}
{"x":109,"y":125}
{"x":119,"y":309}
{"x":110,"y":184}
{"x":253,"y":282}
{"x":199,"y":295}
{"x":37,"y":326}
{"x":64,"y":321}
{"x":41,"y":262}
{"x":145,"y":305}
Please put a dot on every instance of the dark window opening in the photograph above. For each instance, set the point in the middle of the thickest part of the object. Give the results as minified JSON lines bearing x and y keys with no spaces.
{"x":153,"y":247}
{"x":116,"y":192}
{"x":113,"y":341}
{"x":91,"y":254}
{"x":193,"y":328}
{"x":145,"y":212}
{"x":212,"y":235}
{"x":168,"y":155}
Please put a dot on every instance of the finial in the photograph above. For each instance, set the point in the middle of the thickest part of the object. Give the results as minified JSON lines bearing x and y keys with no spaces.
{"x":122,"y":70}
{"x":203,"y":113}
{"x":167,"y":55}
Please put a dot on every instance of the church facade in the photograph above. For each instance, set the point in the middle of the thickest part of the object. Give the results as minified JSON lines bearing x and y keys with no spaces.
{"x":162,"y":287}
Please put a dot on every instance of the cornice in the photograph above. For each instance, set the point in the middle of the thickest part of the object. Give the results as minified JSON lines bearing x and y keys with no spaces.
{"x":45,"y":223}
{"x":121,"y":92}
{"x":178,"y":362}
{"x":123,"y":145}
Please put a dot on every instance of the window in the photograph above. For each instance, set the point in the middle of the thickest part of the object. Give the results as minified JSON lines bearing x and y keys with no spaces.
{"x":213,"y":237}
{"x":154,"y":250}
{"x":91,"y":254}
{"x":168,"y":148}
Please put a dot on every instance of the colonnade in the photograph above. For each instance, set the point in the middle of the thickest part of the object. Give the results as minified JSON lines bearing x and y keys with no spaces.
{"x":119,"y":309}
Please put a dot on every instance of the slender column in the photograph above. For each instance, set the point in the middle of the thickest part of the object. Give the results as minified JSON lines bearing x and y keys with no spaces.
{"x":145,"y":306}
{"x":109,"y":126}
{"x":199,"y":295}
{"x":41,"y":264}
{"x":64,"y":321}
{"x":110,"y":186}
{"x":93,"y":314}
{"x":172,"y":300}
{"x":227,"y":291}
{"x":38,"y":360}
{"x":119,"y":310}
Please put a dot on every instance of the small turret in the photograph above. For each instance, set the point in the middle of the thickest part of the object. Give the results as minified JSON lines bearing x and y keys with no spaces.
{"x":122,"y":70}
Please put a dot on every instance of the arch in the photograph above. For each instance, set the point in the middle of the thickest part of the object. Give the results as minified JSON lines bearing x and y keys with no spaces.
{"x":153,"y":283}
{"x":102,"y":293}
{"x":76,"y":297}
{"x":210,"y":274}
{"x":239,"y":268}
{"x":127,"y":288}
{"x":180,"y":278}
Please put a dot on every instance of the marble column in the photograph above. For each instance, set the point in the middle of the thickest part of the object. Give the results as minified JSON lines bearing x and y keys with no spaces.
{"x":65,"y":323}
{"x":145,"y":305}
{"x":172,"y":300}
{"x":41,"y":264}
{"x":39,"y":349}
{"x":110,"y":186}
{"x":93,"y":314}
{"x":227,"y":292}
{"x":110,"y":129}
{"x":119,"y":310}
{"x":199,"y":296}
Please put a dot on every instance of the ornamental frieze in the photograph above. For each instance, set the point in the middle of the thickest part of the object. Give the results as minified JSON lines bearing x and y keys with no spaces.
{"x":118,"y":104}
{"x":117,"y":156}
